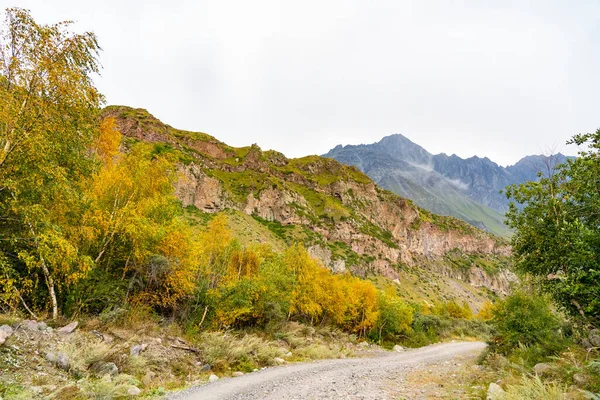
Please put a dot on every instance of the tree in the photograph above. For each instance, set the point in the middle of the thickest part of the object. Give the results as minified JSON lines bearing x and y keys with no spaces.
{"x":557,"y":230}
{"x":47,"y":122}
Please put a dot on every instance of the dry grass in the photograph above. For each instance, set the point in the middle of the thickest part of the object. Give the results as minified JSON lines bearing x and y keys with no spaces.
{"x":246,"y":352}
{"x":532,"y":387}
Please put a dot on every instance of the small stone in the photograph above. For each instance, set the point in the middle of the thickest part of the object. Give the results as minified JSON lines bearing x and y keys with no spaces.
{"x":63,"y":362}
{"x":213,"y":378}
{"x":30,"y":324}
{"x":36,"y":389}
{"x":288,"y":354}
{"x":278,"y":360}
{"x":42,"y":326}
{"x":205,"y":368}
{"x":102,"y":368}
{"x":68,"y":328}
{"x":398,"y":348}
{"x":495,"y":392}
{"x":135,"y":350}
{"x":5,"y":332}
{"x":134,"y":391}
{"x":542,"y":369}
{"x":364,"y":345}
{"x":580,"y":379}
{"x":594,"y":339}
{"x":237,"y":374}
{"x":59,"y":359}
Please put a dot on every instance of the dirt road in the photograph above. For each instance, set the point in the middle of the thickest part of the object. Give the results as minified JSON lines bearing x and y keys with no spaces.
{"x":358,"y":378}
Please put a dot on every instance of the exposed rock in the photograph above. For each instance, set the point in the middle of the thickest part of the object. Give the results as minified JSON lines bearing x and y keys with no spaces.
{"x":42,"y":326}
{"x":580,"y":380}
{"x":102,"y":368}
{"x":59,"y":359}
{"x":68,"y":328}
{"x":288,"y":354}
{"x":594,"y":338}
{"x":30,"y":325}
{"x":278,"y":360}
{"x":5,"y":332}
{"x":542,"y":369}
{"x":495,"y":392}
{"x":398,"y":348}
{"x":586,"y":344}
{"x":205,"y":368}
{"x":135,"y":350}
{"x":213,"y":378}
{"x":324,"y":254}
{"x":134,"y":391}
{"x":237,"y":374}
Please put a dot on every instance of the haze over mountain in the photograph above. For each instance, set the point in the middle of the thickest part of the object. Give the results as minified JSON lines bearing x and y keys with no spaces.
{"x":469,"y":189}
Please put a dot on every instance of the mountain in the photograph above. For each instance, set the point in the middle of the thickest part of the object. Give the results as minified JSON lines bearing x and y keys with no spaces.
{"x":340,"y":215}
{"x":468,"y":189}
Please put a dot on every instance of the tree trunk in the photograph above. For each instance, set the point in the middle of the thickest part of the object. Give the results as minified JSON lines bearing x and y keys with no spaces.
{"x":50,"y":284}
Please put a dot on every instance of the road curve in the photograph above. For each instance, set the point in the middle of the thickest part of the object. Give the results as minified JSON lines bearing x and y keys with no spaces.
{"x":357,"y":378}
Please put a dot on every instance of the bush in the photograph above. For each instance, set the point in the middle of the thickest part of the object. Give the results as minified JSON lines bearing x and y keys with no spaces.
{"x":395,"y":318}
{"x":526,"y":325}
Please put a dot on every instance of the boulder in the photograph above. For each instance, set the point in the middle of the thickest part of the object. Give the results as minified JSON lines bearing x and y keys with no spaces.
{"x":68,"y":328}
{"x":5,"y":332}
{"x":213,"y":378}
{"x":278,"y":360}
{"x":30,"y":325}
{"x":398,"y":348}
{"x":542,"y":369}
{"x":135,"y":350}
{"x":59,"y":359}
{"x":134,"y":391}
{"x":205,"y":368}
{"x":102,"y":368}
{"x":495,"y":392}
{"x":594,"y":338}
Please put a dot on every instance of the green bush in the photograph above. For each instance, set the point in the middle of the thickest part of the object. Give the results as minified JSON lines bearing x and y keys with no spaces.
{"x":526,"y":327}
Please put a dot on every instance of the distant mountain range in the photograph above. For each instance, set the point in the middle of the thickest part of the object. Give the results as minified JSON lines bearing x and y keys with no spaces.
{"x":468,"y":189}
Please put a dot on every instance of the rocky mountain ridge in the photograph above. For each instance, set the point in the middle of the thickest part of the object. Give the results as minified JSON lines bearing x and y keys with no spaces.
{"x":342,"y":216}
{"x":468,"y":189}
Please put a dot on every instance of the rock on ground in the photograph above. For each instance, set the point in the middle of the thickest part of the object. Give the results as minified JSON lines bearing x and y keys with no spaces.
{"x":495,"y":392}
{"x":5,"y":332}
{"x":68,"y":328}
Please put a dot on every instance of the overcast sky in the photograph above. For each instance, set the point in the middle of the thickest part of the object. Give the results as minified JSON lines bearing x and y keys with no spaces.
{"x":500,"y":79}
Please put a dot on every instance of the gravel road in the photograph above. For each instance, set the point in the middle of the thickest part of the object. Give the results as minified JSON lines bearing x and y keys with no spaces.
{"x":370,"y":378}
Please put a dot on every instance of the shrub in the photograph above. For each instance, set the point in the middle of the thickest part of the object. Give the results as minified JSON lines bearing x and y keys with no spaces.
{"x":525,"y":324}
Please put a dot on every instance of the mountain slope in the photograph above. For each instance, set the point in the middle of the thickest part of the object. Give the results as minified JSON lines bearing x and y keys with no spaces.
{"x":335,"y":210}
{"x":468,"y":189}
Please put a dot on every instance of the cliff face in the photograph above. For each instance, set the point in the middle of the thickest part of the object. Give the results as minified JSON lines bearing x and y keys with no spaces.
{"x":339,"y":213}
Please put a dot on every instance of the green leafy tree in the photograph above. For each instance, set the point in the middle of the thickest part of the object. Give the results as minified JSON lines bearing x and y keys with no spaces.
{"x":557,"y":230}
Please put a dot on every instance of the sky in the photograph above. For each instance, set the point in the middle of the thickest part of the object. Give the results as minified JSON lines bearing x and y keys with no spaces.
{"x":498,"y":79}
